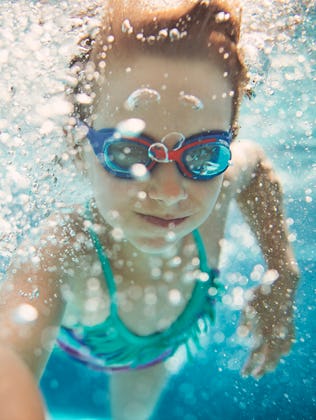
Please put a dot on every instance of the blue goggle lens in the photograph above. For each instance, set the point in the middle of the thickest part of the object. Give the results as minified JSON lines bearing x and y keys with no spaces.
{"x":207,"y":161}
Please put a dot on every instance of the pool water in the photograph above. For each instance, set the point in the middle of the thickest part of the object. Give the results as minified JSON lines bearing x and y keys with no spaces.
{"x":211,"y":387}
{"x":281,"y":118}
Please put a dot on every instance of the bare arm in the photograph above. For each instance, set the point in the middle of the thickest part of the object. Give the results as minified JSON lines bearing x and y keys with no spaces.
{"x":31,"y":304}
{"x":31,"y":308}
{"x":269,"y":314}
{"x":19,"y":397}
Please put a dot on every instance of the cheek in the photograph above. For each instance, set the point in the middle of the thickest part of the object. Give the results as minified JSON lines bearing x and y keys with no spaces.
{"x":113,"y":195}
{"x":207,"y":192}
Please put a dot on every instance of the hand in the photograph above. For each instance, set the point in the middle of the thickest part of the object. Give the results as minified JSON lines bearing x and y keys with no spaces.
{"x":268,"y":318}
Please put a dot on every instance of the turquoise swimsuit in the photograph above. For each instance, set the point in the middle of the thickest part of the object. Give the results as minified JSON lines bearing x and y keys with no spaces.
{"x":112,"y":346}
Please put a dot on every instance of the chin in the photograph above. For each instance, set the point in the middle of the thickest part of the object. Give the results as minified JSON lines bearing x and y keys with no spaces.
{"x":154,"y":246}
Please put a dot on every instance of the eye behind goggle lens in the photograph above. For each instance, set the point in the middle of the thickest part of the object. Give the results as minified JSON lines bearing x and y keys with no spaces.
{"x":207,"y":161}
{"x":123,"y":154}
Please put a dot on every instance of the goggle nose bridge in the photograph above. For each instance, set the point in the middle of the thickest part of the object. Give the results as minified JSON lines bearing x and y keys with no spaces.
{"x":160,"y":153}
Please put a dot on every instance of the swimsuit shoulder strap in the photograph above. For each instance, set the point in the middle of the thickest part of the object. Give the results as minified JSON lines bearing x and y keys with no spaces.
{"x":202,"y":255}
{"x":106,"y":266}
{"x":105,"y":263}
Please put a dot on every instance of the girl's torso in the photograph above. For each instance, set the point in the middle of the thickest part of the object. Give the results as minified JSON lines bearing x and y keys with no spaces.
{"x":115,"y":344}
{"x":154,"y":290}
{"x":152,"y":294}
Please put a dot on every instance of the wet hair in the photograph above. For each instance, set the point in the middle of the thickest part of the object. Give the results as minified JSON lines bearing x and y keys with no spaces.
{"x":198,"y":29}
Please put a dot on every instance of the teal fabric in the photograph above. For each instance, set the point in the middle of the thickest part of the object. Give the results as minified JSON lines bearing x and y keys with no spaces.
{"x":111,"y":345}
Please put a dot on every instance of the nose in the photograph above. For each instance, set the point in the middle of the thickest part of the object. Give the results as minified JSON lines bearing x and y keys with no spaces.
{"x":166,"y":184}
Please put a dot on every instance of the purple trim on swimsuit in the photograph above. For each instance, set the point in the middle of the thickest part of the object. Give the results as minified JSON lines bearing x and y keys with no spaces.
{"x":91,"y":361}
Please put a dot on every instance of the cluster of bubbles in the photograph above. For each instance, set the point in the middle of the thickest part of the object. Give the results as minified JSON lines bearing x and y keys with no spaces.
{"x":37,"y":41}
{"x":269,"y":26}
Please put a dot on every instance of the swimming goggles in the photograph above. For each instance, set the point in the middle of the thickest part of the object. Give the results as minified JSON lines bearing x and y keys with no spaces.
{"x":201,"y":156}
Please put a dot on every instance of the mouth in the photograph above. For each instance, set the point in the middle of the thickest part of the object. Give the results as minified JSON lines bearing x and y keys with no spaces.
{"x":166,"y":222}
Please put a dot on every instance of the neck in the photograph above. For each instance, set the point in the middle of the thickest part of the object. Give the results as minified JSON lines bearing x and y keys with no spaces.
{"x":126,"y":250}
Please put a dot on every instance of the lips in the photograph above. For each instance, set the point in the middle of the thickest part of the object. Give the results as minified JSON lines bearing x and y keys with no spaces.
{"x":167,"y":222}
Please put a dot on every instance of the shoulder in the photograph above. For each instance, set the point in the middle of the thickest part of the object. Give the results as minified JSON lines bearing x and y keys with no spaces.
{"x":247,"y":156}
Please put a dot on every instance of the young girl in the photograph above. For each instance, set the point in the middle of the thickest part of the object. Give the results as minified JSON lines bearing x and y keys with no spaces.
{"x":131,"y":275}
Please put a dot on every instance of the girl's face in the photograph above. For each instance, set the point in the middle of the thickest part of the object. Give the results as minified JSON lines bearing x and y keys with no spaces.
{"x":168,"y":95}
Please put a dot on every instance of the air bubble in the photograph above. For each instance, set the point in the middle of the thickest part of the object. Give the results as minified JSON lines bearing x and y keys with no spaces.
{"x":204,"y":277}
{"x":93,"y":284}
{"x":140,"y":37}
{"x":112,"y":214}
{"x":257,"y":272}
{"x":47,"y":127}
{"x":270,"y":277}
{"x":35,"y":293}
{"x":127,"y":27}
{"x":175,"y":262}
{"x":168,"y":276}
{"x":150,"y":298}
{"x":131,"y":127}
{"x":175,"y":297}
{"x":139,"y":172}
{"x":25,"y":314}
{"x":238,"y":297}
{"x":35,"y":260}
{"x":110,"y":39}
{"x":142,"y":195}
{"x":227,"y":300}
{"x":222,"y":17}
{"x":242,"y":331}
{"x":212,"y":291}
{"x":163,"y":34}
{"x":156,"y":273}
{"x":141,"y":97}
{"x":190,"y":100}
{"x":292,"y":237}
{"x":84,"y":99}
{"x":195,"y":262}
{"x":174,"y":34}
{"x":219,"y":337}
{"x":117,"y":234}
{"x":170,"y":237}
{"x":151,"y":39}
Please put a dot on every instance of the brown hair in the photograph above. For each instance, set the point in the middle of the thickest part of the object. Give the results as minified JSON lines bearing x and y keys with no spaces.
{"x":191,"y":28}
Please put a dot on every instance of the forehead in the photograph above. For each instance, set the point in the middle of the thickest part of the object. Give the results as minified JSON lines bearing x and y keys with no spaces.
{"x":171,"y":89}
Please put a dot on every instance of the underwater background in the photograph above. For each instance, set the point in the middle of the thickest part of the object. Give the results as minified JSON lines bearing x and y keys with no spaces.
{"x":281,"y":117}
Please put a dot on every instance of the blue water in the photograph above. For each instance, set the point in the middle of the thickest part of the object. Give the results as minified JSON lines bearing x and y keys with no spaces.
{"x":282,"y":120}
{"x":211,"y":387}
